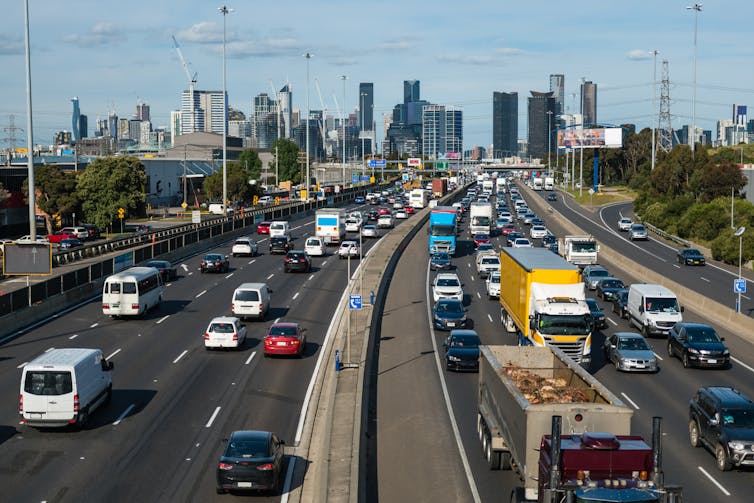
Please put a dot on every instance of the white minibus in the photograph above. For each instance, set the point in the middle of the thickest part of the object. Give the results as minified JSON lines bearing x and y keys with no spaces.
{"x":132,"y":292}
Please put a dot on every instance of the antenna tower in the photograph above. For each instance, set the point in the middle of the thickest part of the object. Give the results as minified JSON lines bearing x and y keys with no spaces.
{"x":11,"y":131}
{"x":665,"y":129}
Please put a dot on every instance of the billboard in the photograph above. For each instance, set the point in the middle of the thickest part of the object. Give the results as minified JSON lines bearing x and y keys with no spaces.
{"x":590,"y":138}
{"x":22,"y":259}
{"x":414,"y":161}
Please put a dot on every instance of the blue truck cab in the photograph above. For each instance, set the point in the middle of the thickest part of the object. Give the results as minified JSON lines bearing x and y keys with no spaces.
{"x":443,"y":223}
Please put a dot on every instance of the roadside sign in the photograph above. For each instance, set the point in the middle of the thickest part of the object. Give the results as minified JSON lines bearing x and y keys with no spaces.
{"x":354,"y":179}
{"x":739,"y":286}
{"x":27,"y":259}
{"x":414,"y":161}
{"x":354,"y":302}
{"x":196,"y":217}
{"x":377,"y":163}
{"x":184,"y":205}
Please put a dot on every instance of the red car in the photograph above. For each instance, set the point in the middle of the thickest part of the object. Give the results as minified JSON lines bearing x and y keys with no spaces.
{"x":409,"y":210}
{"x":59,"y":236}
{"x":383,"y":210}
{"x":481,"y":239}
{"x":263,"y":227}
{"x":508,"y":229}
{"x":284,"y":339}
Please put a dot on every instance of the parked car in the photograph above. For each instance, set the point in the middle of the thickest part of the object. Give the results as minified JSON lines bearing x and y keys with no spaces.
{"x":251,"y":460}
{"x":593,"y":274}
{"x":698,"y":345}
{"x":348,"y":249}
{"x":721,"y":419}
{"x":55,"y":238}
{"x":70,"y":244}
{"x":620,"y":303}
{"x":630,"y":352}
{"x":315,"y":247}
{"x":297,"y":260}
{"x":244,"y":246}
{"x":280,"y":244}
{"x":39,"y":239}
{"x":624,"y":224}
{"x":225,"y":332}
{"x":440,"y":261}
{"x":263,"y":227}
{"x":448,"y":314}
{"x":606,"y":287}
{"x":370,"y":231}
{"x":462,"y":351}
{"x":690,"y":256}
{"x":214,"y":262}
{"x":167,"y":270}
{"x":638,"y":231}
{"x":285,"y":338}
{"x":598,"y":317}
{"x":447,"y":285}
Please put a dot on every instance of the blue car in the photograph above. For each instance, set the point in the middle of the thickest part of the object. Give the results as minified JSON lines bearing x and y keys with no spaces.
{"x":360,"y":200}
{"x":448,"y":314}
{"x":440,"y":261}
{"x":462,"y":351}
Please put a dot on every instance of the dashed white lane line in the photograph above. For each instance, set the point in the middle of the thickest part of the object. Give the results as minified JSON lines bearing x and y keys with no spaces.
{"x":310,"y":277}
{"x":271,"y":275}
{"x":295,"y":295}
{"x":468,"y":264}
{"x":93,"y":325}
{"x":676,"y":266}
{"x":489,"y":317}
{"x":190,"y":274}
{"x":212,"y":419}
{"x":657,"y":356}
{"x":48,"y":350}
{"x":125,"y":413}
{"x":324,"y":263}
{"x":113,"y":354}
{"x":746,"y":297}
{"x":162,"y":319}
{"x":251,"y":357}
{"x":252,"y":261}
{"x":611,"y":321}
{"x":739,"y":362}
{"x":229,"y":275}
{"x":181,"y":356}
{"x":633,"y":404}
{"x":201,"y":293}
{"x":718,"y":484}
{"x":73,"y":337}
{"x":704,"y":279}
{"x":479,"y":295}
{"x":185,"y":267}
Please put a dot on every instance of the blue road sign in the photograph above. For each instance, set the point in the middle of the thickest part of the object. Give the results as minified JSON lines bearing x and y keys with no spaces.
{"x":354,"y":302}
{"x":355,"y":178}
{"x":739,"y":286}
{"x":377,"y":163}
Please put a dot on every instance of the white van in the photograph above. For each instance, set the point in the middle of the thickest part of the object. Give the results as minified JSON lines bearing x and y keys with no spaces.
{"x":279,"y":228}
{"x":132,"y":292}
{"x":653,"y":309}
{"x":217,"y":209}
{"x":251,"y":300}
{"x":64,"y":386}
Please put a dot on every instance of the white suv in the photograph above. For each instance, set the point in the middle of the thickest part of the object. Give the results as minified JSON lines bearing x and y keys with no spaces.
{"x":315,"y":247}
{"x":348,"y":249}
{"x":244,"y":246}
{"x":624,"y":224}
{"x":447,"y":286}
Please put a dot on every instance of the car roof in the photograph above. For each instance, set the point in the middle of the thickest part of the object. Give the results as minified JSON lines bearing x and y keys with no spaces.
{"x":728,"y":396}
{"x":447,"y":275}
{"x":284,"y":324}
{"x":463,"y":332}
{"x":223,"y":319}
{"x":250,"y":435}
{"x":628,"y":335}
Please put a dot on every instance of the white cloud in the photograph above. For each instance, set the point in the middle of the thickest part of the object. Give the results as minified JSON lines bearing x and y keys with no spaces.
{"x":638,"y":55}
{"x":399,"y":44}
{"x":101,"y":34}
{"x":202,"y":33}
{"x":10,"y":45}
{"x":499,"y":55}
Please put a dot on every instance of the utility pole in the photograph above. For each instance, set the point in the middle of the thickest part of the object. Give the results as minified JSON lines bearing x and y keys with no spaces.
{"x":30,"y":137}
{"x":308,"y":56}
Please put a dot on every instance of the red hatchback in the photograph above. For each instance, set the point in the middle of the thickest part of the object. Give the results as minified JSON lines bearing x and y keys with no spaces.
{"x":409,"y":210}
{"x":481,"y":239}
{"x":508,"y":229}
{"x":284,"y":339}
{"x":383,"y":210}
{"x":263,"y":227}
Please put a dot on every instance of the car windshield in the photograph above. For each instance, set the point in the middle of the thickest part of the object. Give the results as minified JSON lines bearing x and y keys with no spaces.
{"x":737,"y":418}
{"x":442,"y":230}
{"x":242,"y":242}
{"x":213,"y":258}
{"x":447,"y":282}
{"x":593,"y":306}
{"x":693,"y":253}
{"x":464,"y":341}
{"x":612,"y":283}
{"x":662,"y":305}
{"x":598,"y":273}
{"x":449,"y":307}
{"x":490,"y":260}
{"x":586,"y":247}
{"x":632,"y":344}
{"x":440,"y":257}
{"x":251,"y":448}
{"x":495,"y":278}
{"x":550,"y":324}
{"x":222,"y":328}
{"x":701,"y":334}
{"x":282,"y":330}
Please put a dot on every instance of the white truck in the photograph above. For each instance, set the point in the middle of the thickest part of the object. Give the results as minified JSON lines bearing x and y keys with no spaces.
{"x":330,"y":225}
{"x":480,"y":218}
{"x":487,"y":263}
{"x":537,"y":183}
{"x":549,"y":183}
{"x":579,"y":250}
{"x":488,"y":186}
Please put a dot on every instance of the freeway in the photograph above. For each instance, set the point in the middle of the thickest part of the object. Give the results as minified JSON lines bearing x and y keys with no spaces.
{"x":173,"y":401}
{"x":665,"y":393}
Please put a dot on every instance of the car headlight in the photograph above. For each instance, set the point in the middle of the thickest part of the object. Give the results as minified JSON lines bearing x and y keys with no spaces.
{"x":453,"y":358}
{"x":694,"y":351}
{"x":726,"y":352}
{"x":737,"y":445}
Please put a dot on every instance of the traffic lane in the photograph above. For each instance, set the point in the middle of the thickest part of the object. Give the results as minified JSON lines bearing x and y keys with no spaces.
{"x":412,"y":420}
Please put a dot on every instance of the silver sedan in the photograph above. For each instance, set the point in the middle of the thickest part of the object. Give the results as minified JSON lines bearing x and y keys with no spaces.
{"x":630,"y":352}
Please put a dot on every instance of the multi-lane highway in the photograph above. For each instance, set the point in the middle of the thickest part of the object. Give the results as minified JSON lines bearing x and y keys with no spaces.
{"x":173,"y":401}
{"x":665,"y":393}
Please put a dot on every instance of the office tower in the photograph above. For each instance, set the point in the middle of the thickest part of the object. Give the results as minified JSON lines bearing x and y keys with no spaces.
{"x":589,"y":102}
{"x":414,"y":112}
{"x":264,"y":126}
{"x":442,"y":130}
{"x":239,"y":128}
{"x":175,"y":125}
{"x":75,"y":116}
{"x":207,"y":113}
{"x":504,"y":124}
{"x":83,"y":126}
{"x":142,"y":112}
{"x":366,"y":100}
{"x":410,"y":91}
{"x":739,"y":124}
{"x":557,"y":88}
{"x":453,"y":130}
{"x":132,"y":130}
{"x":286,"y":119}
{"x":112,"y":125}
{"x":540,"y":122}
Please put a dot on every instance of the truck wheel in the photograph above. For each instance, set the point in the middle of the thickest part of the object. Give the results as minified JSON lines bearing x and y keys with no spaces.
{"x":484,"y":442}
{"x":722,"y":459}
{"x":479,"y":427}
{"x":694,"y":434}
{"x":493,"y":457}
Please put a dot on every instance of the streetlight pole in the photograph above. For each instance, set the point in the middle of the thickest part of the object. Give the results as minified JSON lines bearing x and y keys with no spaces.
{"x":308,"y":56}
{"x":654,"y":106}
{"x":224,"y":11}
{"x":343,"y":126}
{"x":740,"y":234}
{"x":697,"y":8}
{"x":29,"y":137}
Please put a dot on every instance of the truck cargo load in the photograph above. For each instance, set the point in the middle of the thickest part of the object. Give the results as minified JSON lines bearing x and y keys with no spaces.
{"x":439,"y":187}
{"x":542,"y":300}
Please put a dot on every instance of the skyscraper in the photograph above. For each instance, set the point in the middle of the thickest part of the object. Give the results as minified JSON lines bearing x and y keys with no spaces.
{"x":75,"y":117}
{"x":284,"y":102}
{"x":410,"y":91}
{"x":366,"y":100}
{"x":504,"y":124}
{"x":265,"y":120}
{"x":557,"y":88}
{"x":208,"y":112}
{"x":83,"y":126}
{"x":442,"y":130}
{"x":142,"y":112}
{"x":539,"y":123}
{"x":589,"y":102}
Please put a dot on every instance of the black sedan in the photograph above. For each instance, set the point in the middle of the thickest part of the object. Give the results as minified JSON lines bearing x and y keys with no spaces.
{"x":607,"y":287}
{"x":214,"y":262}
{"x":372,"y":215}
{"x":440,"y":261}
{"x":280,"y":244}
{"x":462,"y":350}
{"x":552,"y":197}
{"x":251,"y":461}
{"x":697,"y":344}
{"x":598,"y":317}
{"x":690,"y":256}
{"x":448,"y":314}
{"x":167,"y":270}
{"x":297,"y":260}
{"x":70,"y":244}
{"x":620,"y":303}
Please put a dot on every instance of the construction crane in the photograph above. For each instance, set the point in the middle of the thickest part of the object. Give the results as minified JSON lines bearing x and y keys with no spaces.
{"x":323,"y":121}
{"x":192,"y":84}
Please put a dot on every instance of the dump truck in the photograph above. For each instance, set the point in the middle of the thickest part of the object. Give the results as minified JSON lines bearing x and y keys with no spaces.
{"x":579,"y":250}
{"x":527,"y":396}
{"x":542,"y":300}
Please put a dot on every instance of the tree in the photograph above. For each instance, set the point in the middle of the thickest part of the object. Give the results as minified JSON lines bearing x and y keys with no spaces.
{"x":55,"y":192}
{"x":713,"y":180}
{"x":110,"y":183}
{"x":288,"y":167}
{"x":238,"y":183}
{"x":252,"y":164}
{"x":4,"y":194}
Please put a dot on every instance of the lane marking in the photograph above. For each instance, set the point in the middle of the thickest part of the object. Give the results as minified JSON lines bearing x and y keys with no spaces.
{"x":657,"y":356}
{"x":288,"y":479}
{"x":190,"y":274}
{"x":295,"y":295}
{"x":324,"y":263}
{"x":271,"y":275}
{"x":48,"y":350}
{"x":676,"y":266}
{"x":276,"y":320}
{"x":310,"y":277}
{"x":739,"y":362}
{"x":252,"y":261}
{"x":746,"y":297}
{"x":611,"y":321}
{"x":201,"y":293}
{"x":251,"y":357}
{"x":473,"y":278}
{"x":212,"y":419}
{"x":113,"y":353}
{"x":73,"y":337}
{"x":718,"y":484}
{"x":630,"y":401}
{"x":181,"y":356}
{"x":125,"y":413}
{"x":185,"y":267}
{"x":704,"y":279}
{"x":229,"y":275}
{"x":489,"y":317}
{"x":163,"y":319}
{"x":93,"y":325}
{"x":479,"y":295}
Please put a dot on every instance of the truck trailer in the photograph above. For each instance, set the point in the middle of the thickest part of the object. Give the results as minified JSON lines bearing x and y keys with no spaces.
{"x":330,"y":225}
{"x":527,"y":396}
{"x":549,"y":183}
{"x":443,"y":227}
{"x":439,"y":187}
{"x":542,"y":300}
{"x":579,"y":250}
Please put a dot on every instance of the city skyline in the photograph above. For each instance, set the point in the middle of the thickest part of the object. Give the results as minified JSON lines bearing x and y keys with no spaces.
{"x":115,"y":59}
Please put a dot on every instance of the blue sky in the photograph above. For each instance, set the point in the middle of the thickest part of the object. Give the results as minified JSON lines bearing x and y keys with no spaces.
{"x":115,"y":54}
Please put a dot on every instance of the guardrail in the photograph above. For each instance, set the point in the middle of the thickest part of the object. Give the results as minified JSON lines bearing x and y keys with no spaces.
{"x":669,"y":237}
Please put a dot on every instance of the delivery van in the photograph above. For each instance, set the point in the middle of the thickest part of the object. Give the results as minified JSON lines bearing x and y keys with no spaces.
{"x":64,"y":387}
{"x":653,"y":309}
{"x":251,"y":300}
{"x":279,"y":228}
